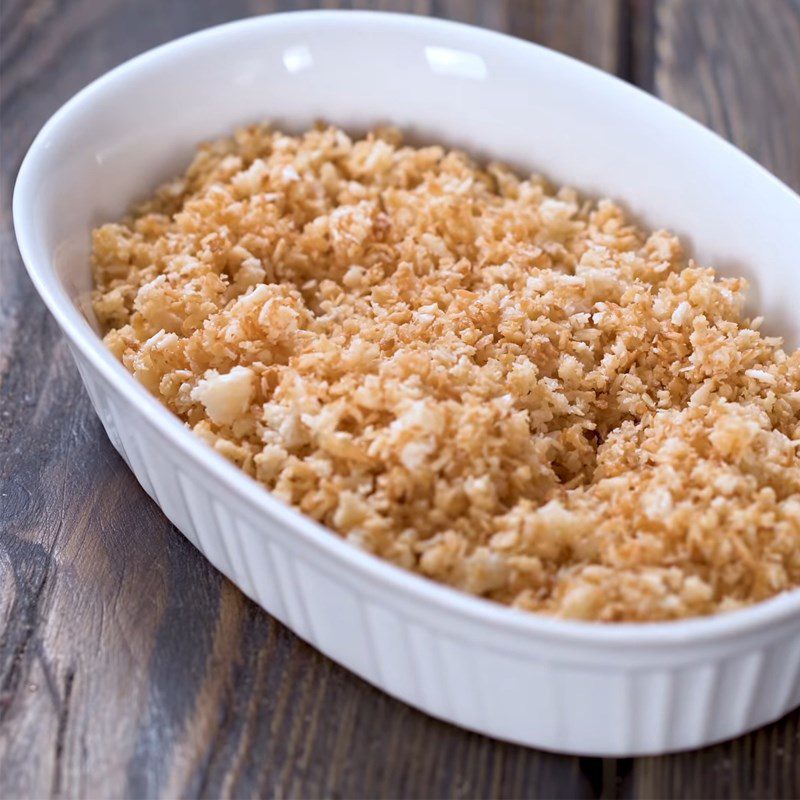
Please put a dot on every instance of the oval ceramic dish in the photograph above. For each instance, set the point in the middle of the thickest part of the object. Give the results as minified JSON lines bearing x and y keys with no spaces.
{"x":565,"y":686}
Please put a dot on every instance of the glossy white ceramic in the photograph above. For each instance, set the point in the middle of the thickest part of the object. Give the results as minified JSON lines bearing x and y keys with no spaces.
{"x":565,"y":686}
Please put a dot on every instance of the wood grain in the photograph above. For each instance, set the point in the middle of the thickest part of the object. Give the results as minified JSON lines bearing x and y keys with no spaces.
{"x":128,"y":666}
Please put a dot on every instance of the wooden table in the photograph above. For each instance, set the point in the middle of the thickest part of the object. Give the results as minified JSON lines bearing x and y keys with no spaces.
{"x":128,"y":665}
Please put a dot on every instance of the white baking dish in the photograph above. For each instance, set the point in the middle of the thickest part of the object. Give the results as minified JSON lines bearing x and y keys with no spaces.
{"x":565,"y":686}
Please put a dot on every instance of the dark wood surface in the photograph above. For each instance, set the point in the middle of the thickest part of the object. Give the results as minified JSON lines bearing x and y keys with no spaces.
{"x":128,"y":665}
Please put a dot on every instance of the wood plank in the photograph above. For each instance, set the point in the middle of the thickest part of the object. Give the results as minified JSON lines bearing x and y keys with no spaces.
{"x":734,"y":65}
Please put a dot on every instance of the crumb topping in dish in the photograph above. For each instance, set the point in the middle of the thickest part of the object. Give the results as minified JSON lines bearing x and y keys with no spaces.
{"x":509,"y":389}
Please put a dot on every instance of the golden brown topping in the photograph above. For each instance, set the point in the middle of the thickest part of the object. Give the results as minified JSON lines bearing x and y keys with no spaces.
{"x":513,"y":391}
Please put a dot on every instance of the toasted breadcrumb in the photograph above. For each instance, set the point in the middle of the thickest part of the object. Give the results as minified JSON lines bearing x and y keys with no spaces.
{"x":513,"y":391}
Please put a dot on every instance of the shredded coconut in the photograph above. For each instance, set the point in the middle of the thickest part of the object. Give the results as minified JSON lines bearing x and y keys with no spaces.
{"x":509,"y":389}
